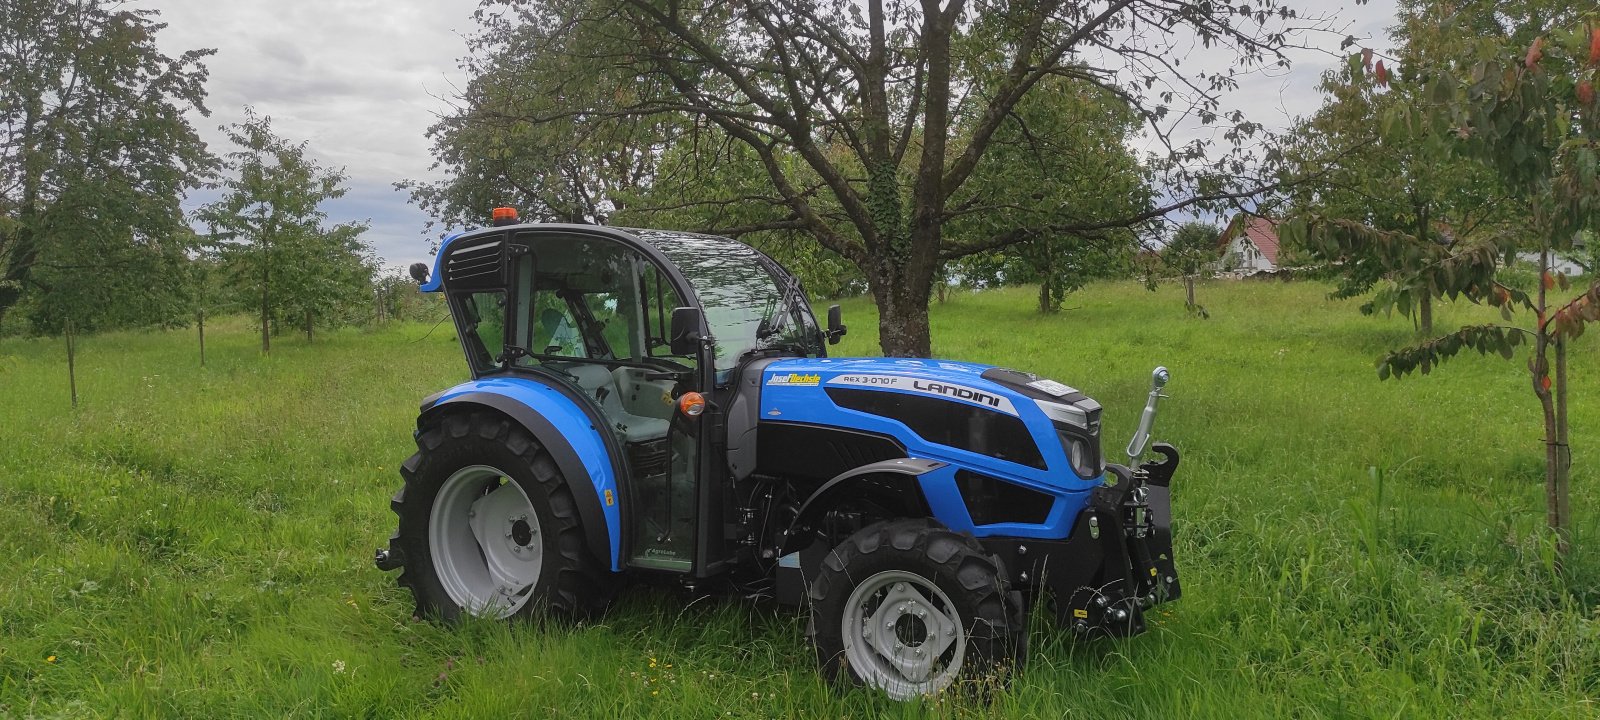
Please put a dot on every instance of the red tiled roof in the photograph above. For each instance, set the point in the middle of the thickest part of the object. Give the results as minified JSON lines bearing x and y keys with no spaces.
{"x":1259,"y":230}
{"x":1264,"y":233}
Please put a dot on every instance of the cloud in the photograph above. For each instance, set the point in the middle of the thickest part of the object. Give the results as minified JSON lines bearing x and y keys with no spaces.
{"x":357,"y":79}
{"x":360,"y":80}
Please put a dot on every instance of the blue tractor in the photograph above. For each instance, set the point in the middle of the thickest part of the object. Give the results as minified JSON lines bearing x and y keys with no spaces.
{"x":650,"y":406}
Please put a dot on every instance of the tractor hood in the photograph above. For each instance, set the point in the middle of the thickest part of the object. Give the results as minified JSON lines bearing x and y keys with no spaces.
{"x":936,"y":409}
{"x":987,"y":385}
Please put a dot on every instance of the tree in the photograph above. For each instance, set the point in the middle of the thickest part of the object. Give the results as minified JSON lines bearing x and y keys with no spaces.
{"x":574,"y":166}
{"x":1530,"y":114}
{"x":1060,"y":159}
{"x":890,"y":108}
{"x":268,"y":229}
{"x":1401,"y":179}
{"x":1191,"y":251}
{"x":95,"y":156}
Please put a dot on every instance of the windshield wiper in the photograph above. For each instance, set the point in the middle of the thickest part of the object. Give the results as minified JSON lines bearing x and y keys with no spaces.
{"x":771,"y":321}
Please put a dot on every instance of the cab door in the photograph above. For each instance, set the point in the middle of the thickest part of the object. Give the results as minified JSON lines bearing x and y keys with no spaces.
{"x":593,"y":311}
{"x":666,"y":517}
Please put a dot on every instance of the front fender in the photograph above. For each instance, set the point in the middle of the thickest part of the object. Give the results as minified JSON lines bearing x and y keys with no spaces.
{"x":561,"y":424}
{"x":892,"y":481}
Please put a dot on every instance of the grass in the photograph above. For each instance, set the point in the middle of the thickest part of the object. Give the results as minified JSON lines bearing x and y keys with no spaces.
{"x":196,"y":542}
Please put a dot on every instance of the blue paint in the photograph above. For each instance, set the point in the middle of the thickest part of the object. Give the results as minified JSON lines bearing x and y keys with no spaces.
{"x":794,"y":391}
{"x":573,"y":424}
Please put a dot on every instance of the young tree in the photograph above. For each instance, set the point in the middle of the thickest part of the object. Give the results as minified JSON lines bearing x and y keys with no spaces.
{"x":95,"y":155}
{"x":1192,"y":250}
{"x":1530,"y":114}
{"x":1401,"y":179}
{"x":892,"y":106}
{"x":268,"y":228}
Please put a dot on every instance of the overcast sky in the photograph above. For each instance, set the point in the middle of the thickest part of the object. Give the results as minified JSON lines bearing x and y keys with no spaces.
{"x":363,"y":79}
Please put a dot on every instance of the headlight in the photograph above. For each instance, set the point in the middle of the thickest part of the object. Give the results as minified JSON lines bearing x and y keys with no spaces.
{"x":1085,"y":461}
{"x":1078,"y":427}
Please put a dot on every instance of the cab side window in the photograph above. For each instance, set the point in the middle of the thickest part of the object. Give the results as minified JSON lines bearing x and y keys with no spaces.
{"x":483,"y":317}
{"x":555,"y":330}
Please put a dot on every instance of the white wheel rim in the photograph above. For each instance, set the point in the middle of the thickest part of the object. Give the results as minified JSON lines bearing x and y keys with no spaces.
{"x":902,"y":635}
{"x":485,"y":541}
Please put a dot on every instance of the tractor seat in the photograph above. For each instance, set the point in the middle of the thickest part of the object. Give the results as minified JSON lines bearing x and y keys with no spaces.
{"x":598,"y":382}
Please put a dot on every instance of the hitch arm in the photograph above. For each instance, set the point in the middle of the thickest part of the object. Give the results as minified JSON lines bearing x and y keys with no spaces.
{"x":1147,"y":421}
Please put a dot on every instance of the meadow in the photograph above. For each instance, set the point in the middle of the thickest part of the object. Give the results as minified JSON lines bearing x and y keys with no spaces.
{"x":197,"y":541}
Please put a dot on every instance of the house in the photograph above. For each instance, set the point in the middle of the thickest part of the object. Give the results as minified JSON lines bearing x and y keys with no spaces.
{"x":1250,"y":244}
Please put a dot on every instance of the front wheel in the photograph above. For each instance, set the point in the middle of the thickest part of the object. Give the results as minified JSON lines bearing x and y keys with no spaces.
{"x":489,"y":528}
{"x":909,"y":607}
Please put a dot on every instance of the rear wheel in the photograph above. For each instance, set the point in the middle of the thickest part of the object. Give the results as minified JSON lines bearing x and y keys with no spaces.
{"x":488,"y":526}
{"x":910,"y":608}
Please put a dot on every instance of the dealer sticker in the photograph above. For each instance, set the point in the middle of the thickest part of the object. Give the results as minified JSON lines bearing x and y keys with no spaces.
{"x":795,"y":380}
{"x":1053,"y":387}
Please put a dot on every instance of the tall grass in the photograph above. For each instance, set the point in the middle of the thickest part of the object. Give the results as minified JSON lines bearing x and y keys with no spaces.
{"x":197,"y":541}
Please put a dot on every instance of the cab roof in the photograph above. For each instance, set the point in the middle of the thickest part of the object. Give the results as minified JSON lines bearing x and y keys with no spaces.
{"x":667,"y":242}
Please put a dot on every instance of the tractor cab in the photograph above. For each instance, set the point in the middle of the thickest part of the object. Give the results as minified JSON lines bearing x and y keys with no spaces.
{"x":641,"y":327}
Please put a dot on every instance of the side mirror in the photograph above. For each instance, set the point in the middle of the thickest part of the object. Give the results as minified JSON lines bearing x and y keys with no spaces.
{"x":685,"y":336}
{"x":419,"y":273}
{"x":836,"y":326}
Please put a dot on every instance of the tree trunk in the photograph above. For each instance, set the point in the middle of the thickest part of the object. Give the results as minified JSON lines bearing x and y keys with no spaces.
{"x":308,"y":326}
{"x":1425,"y":314}
{"x":1557,"y":506}
{"x":1563,"y":457}
{"x":72,"y":367}
{"x":266,"y":316}
{"x":1044,"y":295}
{"x":902,"y":312}
{"x":1188,"y":289}
{"x":200,"y":322}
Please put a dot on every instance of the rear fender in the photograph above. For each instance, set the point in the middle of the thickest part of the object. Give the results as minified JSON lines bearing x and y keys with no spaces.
{"x":565,"y":431}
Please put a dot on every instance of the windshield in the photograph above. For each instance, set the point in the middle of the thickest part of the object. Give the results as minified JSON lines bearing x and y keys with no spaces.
{"x":745,"y":306}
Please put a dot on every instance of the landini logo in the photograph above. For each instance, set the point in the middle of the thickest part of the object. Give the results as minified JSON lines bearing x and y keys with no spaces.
{"x":795,"y":379}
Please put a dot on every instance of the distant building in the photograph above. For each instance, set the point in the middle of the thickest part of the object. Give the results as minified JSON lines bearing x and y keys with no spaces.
{"x":1250,"y":244}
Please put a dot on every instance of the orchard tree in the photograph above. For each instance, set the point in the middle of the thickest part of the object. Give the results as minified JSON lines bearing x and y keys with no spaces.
{"x":870,"y":118}
{"x":269,"y":228}
{"x":1530,"y":114}
{"x":1192,"y":250}
{"x":1060,"y":159}
{"x":95,"y":156}
{"x":579,"y":164}
{"x":708,"y":182}
{"x":1402,"y":180}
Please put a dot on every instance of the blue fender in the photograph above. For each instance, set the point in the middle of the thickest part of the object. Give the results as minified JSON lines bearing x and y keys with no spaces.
{"x":558,"y":421}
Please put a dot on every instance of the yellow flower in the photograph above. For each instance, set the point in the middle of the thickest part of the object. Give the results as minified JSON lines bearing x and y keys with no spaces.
{"x":654,"y":693}
{"x":50,"y":659}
